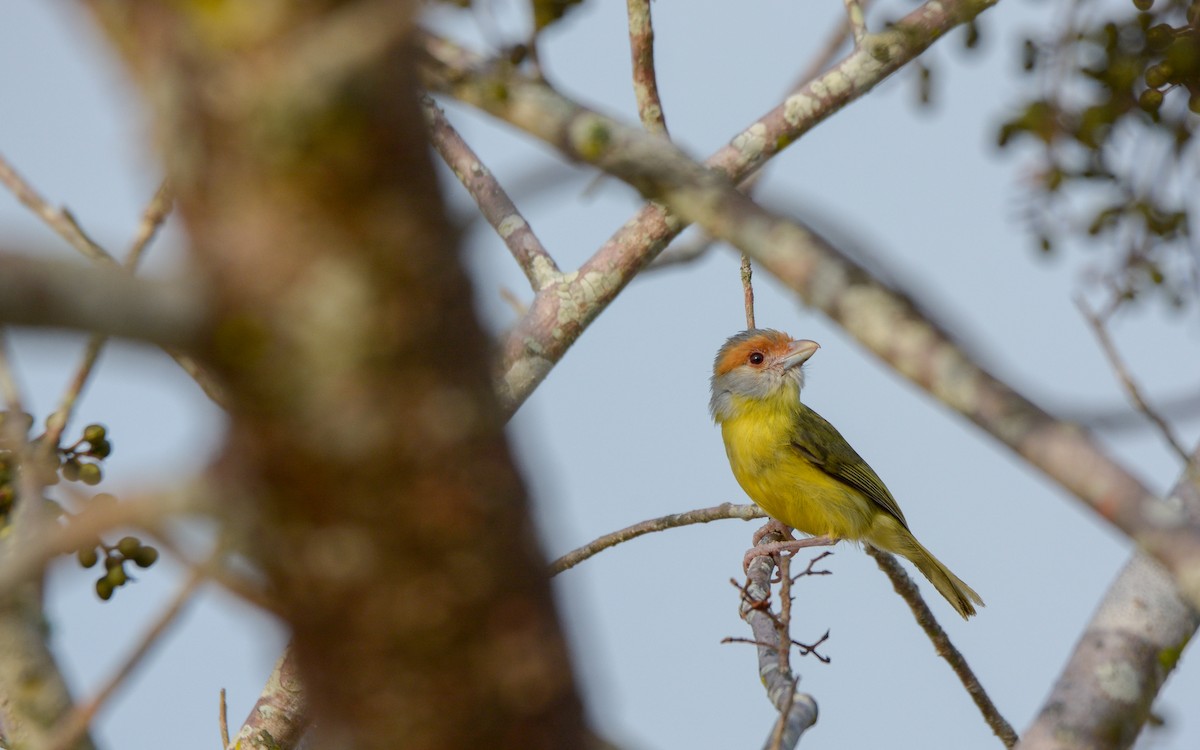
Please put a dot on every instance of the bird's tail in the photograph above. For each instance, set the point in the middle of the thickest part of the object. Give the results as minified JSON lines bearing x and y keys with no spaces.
{"x":900,"y":540}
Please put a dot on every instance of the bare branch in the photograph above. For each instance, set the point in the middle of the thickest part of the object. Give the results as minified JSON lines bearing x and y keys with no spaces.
{"x":1100,"y":328}
{"x":1133,"y":643}
{"x":942,"y":644}
{"x":559,"y":314}
{"x":884,"y":320}
{"x":675,"y":520}
{"x":105,"y":300}
{"x":152,"y":218}
{"x":493,"y":201}
{"x":645,"y":78}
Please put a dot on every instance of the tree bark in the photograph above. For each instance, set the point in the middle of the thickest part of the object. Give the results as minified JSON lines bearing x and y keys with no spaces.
{"x":366,"y":465}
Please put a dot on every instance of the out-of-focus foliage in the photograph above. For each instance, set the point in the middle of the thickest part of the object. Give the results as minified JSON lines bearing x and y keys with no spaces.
{"x":1117,"y":92}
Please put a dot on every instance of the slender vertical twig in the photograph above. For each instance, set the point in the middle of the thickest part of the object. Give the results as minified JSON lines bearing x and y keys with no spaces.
{"x":223,"y":721}
{"x":493,"y":201}
{"x":645,"y":78}
{"x":748,"y":290}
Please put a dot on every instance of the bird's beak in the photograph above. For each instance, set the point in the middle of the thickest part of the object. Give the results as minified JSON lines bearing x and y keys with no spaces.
{"x":799,"y":352}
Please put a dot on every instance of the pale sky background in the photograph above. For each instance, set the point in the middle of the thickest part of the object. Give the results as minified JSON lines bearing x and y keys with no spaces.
{"x":620,"y":431}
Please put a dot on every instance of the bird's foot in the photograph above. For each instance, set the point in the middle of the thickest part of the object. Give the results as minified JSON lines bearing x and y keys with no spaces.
{"x":776,"y":548}
{"x":772,"y":526}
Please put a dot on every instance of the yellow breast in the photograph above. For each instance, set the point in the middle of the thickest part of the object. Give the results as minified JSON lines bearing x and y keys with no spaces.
{"x":758,"y":441}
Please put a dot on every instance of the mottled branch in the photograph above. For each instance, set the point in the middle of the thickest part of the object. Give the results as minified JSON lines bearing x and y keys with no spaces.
{"x":560,"y":314}
{"x":886,"y":321}
{"x":279,"y":717}
{"x":645,"y":77}
{"x":494,"y":203}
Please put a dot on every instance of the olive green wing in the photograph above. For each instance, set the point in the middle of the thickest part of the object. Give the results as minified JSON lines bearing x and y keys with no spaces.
{"x":823,"y":446}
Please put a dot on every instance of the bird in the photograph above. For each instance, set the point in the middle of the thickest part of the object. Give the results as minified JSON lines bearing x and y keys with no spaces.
{"x":798,"y":468}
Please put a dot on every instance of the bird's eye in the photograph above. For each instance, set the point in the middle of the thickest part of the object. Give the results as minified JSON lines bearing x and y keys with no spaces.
{"x":757,"y":358}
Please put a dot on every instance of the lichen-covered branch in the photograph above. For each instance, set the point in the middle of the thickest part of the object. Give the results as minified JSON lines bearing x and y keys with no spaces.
{"x":1134,"y":641}
{"x":559,"y":314}
{"x":883,"y":319}
{"x":279,"y":717}
{"x":645,"y":77}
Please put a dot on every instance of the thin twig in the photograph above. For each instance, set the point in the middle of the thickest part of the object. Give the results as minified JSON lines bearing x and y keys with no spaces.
{"x":675,"y":520}
{"x":494,"y":203}
{"x":153,"y":216}
{"x":645,"y":78}
{"x":941,"y":643}
{"x":1099,"y":326}
{"x":223,"y":720}
{"x":58,"y":219}
{"x":824,"y":57}
{"x":856,"y":20}
{"x":748,"y":290}
{"x":77,"y":721}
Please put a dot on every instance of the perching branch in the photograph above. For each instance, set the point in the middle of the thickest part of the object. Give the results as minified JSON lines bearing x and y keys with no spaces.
{"x":675,"y":520}
{"x":798,"y":711}
{"x":942,"y":644}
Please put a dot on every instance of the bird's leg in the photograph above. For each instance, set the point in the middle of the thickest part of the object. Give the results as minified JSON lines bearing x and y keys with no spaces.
{"x":792,"y":546}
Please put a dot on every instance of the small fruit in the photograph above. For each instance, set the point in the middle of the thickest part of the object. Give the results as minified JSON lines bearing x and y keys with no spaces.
{"x":145,"y":557}
{"x":87,"y":556}
{"x":128,"y":546}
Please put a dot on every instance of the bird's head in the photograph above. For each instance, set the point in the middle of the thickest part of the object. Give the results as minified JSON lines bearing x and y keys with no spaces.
{"x":758,"y":364}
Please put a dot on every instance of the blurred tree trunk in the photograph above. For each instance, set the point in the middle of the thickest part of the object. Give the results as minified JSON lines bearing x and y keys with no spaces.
{"x":366,"y":468}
